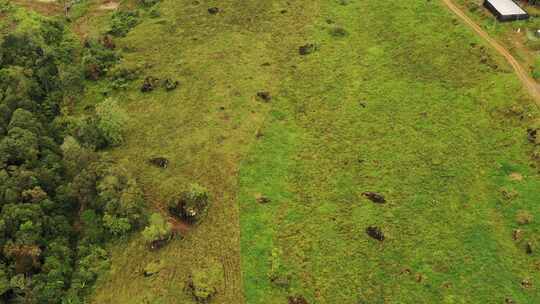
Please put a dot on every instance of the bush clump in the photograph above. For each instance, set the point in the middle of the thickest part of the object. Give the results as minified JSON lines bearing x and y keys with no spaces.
{"x":122,"y":22}
{"x":97,"y":59}
{"x":122,"y":76}
{"x":191,"y":205}
{"x":203,"y":283}
{"x":158,"y":232}
{"x":111,"y":121}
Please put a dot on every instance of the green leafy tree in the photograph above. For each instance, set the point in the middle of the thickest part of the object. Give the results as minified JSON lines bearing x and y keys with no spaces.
{"x":76,"y":158}
{"x":121,"y":201}
{"x":18,"y":147}
{"x":26,"y":120}
{"x":4,"y":279}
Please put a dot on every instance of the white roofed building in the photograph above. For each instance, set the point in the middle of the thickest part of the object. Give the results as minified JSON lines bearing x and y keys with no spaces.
{"x":506,"y":10}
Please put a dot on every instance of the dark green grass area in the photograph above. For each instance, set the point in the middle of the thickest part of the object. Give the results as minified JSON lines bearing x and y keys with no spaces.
{"x":407,"y":104}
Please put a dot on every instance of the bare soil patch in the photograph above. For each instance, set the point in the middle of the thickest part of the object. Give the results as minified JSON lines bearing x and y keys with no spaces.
{"x":109,"y":5}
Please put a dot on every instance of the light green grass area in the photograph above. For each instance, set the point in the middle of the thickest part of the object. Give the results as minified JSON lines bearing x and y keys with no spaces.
{"x":435,"y":136}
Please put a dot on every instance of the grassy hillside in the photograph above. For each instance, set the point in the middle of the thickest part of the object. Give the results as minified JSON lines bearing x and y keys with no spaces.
{"x":408,"y":104}
{"x":397,"y":98}
{"x":204,"y":128}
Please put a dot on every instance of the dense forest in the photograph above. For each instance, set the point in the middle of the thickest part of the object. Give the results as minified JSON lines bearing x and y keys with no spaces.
{"x":60,"y":201}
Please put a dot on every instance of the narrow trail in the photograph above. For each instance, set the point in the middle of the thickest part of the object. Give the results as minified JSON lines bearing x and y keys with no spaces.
{"x":529,"y":83}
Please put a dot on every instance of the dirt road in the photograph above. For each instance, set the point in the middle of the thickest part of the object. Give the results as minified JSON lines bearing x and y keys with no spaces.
{"x":529,"y":83}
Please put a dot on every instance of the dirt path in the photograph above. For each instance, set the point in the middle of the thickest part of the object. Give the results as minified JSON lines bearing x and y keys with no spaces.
{"x":529,"y":83}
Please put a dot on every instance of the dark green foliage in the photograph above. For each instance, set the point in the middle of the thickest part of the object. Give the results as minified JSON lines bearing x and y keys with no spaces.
{"x":105,"y":129}
{"x":58,"y":201}
{"x":20,"y":146}
{"x":122,"y":22}
{"x":120,"y":200}
{"x":97,"y":59}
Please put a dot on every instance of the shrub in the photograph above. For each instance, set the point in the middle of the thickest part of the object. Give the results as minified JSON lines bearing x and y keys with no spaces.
{"x":192,"y":204}
{"x":122,"y":22}
{"x":158,"y":231}
{"x":97,"y":59}
{"x":111,"y":121}
{"x":203,"y":283}
{"x":121,"y":76}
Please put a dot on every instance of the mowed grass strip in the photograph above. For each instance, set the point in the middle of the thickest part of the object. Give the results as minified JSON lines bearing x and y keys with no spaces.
{"x":409,"y":103}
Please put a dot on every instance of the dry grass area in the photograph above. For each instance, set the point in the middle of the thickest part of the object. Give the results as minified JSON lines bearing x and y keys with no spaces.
{"x":45,"y":7}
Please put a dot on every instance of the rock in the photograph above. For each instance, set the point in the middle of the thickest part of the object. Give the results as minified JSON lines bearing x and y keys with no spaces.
{"x":509,"y":194}
{"x":261,"y":199}
{"x":517,"y":234}
{"x":532,"y":135}
{"x":149,"y":84}
{"x":161,"y":162}
{"x":264,"y":96}
{"x":529,"y":248}
{"x":307,"y":49}
{"x":297,"y":300}
{"x":509,"y":301}
{"x":152,"y":268}
{"x":213,"y":10}
{"x":170,"y":84}
{"x":375,"y":232}
{"x":526,"y":283}
{"x":374,"y":197}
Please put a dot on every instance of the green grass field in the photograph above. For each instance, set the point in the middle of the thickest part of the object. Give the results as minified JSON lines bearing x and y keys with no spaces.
{"x":399,"y":98}
{"x":434,"y":136}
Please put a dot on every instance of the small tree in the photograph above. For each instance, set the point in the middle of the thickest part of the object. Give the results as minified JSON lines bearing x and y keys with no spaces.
{"x":111,"y":121}
{"x":191,"y":205}
{"x":158,"y":231}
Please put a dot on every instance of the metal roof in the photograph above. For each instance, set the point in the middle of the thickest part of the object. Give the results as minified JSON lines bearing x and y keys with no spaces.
{"x":507,"y":7}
